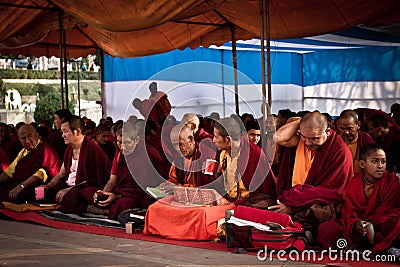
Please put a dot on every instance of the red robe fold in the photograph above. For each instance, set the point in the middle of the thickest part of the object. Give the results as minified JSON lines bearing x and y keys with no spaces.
{"x":155,"y":142}
{"x":11,"y":148}
{"x":382,"y":206}
{"x":4,"y":161}
{"x":331,"y":169}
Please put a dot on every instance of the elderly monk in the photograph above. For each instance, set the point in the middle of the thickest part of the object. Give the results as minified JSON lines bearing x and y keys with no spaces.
{"x":186,"y":170}
{"x":134,"y":171}
{"x":315,"y":167}
{"x":193,"y":121}
{"x":243,"y":174}
{"x":348,"y":127}
{"x":85,"y":164}
{"x":37,"y":163}
{"x":371,"y":212}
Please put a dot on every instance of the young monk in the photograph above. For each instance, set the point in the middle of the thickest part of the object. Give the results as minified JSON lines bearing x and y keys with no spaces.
{"x":371,"y":212}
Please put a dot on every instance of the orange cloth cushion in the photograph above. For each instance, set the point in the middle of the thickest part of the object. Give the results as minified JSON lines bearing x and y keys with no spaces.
{"x":182,"y":222}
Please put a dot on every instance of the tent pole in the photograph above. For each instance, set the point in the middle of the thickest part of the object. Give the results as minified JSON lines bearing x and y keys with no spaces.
{"x":234,"y":63}
{"x":263,"y":86}
{"x":60,"y":28}
{"x":65,"y":69}
{"x":269,"y":59}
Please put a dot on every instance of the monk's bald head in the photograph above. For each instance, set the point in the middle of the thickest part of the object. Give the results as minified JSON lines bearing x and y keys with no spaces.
{"x":182,"y":139}
{"x":314,"y":121}
{"x":28,"y":136}
{"x":192,"y":120}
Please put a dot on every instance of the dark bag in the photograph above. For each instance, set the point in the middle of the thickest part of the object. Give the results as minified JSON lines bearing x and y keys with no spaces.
{"x":135,"y":216}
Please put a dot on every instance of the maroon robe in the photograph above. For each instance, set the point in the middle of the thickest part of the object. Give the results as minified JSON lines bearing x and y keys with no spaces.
{"x":109,"y":149}
{"x":134,"y":173}
{"x":382,"y":209}
{"x":202,"y":152}
{"x":56,"y":140}
{"x":4,"y":161}
{"x":331,"y":169}
{"x":155,"y":142}
{"x":44,"y":156}
{"x":254,"y":170}
{"x":202,"y":134}
{"x":93,"y":169}
{"x":11,"y":148}
{"x":391,"y":145}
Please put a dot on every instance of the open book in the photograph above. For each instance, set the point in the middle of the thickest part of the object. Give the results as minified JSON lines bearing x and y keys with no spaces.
{"x":156,"y":192}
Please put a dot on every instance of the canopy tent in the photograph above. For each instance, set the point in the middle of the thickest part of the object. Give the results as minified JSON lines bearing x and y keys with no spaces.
{"x":138,"y":27}
{"x":331,"y":72}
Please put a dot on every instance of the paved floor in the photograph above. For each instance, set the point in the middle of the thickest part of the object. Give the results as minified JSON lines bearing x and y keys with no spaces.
{"x":25,"y":244}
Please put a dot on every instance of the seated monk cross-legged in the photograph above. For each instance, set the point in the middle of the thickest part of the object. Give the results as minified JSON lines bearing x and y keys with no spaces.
{"x":371,"y":211}
{"x":315,"y":168}
{"x":85,"y":164}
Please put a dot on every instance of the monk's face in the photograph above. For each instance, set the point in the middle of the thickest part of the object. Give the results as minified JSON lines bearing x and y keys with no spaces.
{"x":347,"y":129}
{"x":254,"y":136}
{"x":57,"y":121}
{"x":187,"y":144}
{"x":69,"y":136}
{"x":221,"y":143}
{"x":374,"y":166}
{"x":313,"y":138}
{"x":128,"y":145}
{"x":28,"y":137}
{"x":103,"y":137}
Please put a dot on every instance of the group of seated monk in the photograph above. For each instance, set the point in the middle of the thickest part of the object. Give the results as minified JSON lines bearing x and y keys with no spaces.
{"x":329,"y":175}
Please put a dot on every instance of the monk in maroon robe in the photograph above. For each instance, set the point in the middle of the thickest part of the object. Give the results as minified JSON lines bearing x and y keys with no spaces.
{"x":36,"y":164}
{"x":55,"y":138}
{"x":372,"y":201}
{"x":10,"y":146}
{"x":348,"y":127}
{"x":243,"y":174}
{"x":85,"y":164}
{"x":136,"y":169}
{"x":315,"y":168}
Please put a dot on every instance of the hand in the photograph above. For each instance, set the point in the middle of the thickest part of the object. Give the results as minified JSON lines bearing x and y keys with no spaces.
{"x":281,"y":208}
{"x":14,"y":192}
{"x":167,"y":187}
{"x":361,"y":227}
{"x":110,"y":198}
{"x":60,"y":195}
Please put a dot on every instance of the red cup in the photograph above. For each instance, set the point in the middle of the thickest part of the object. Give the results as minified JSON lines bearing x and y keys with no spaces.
{"x":39,"y":193}
{"x":211,"y":166}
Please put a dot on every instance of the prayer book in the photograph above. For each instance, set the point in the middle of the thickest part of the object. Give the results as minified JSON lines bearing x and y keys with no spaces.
{"x":156,"y":192}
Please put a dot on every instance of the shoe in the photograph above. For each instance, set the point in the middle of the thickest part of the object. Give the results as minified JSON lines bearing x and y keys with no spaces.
{"x":96,"y":210}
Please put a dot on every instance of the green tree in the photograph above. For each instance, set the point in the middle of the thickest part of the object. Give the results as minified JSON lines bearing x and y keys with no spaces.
{"x":47,"y":106}
{"x":86,"y":93}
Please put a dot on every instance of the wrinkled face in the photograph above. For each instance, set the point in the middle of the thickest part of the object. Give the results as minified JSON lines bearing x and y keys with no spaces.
{"x":374,"y":166}
{"x":221,"y":142}
{"x":347,"y":129}
{"x":128,"y":145}
{"x":28,"y":137}
{"x":186,"y":145}
{"x":313,"y":138}
{"x":57,"y":122}
{"x":70,"y":137}
{"x":4,"y":133}
{"x":254,"y":136}
{"x":103,"y":137}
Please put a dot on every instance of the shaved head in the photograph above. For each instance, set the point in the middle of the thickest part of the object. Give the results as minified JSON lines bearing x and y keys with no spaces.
{"x":314,"y":121}
{"x":191,"y":120}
